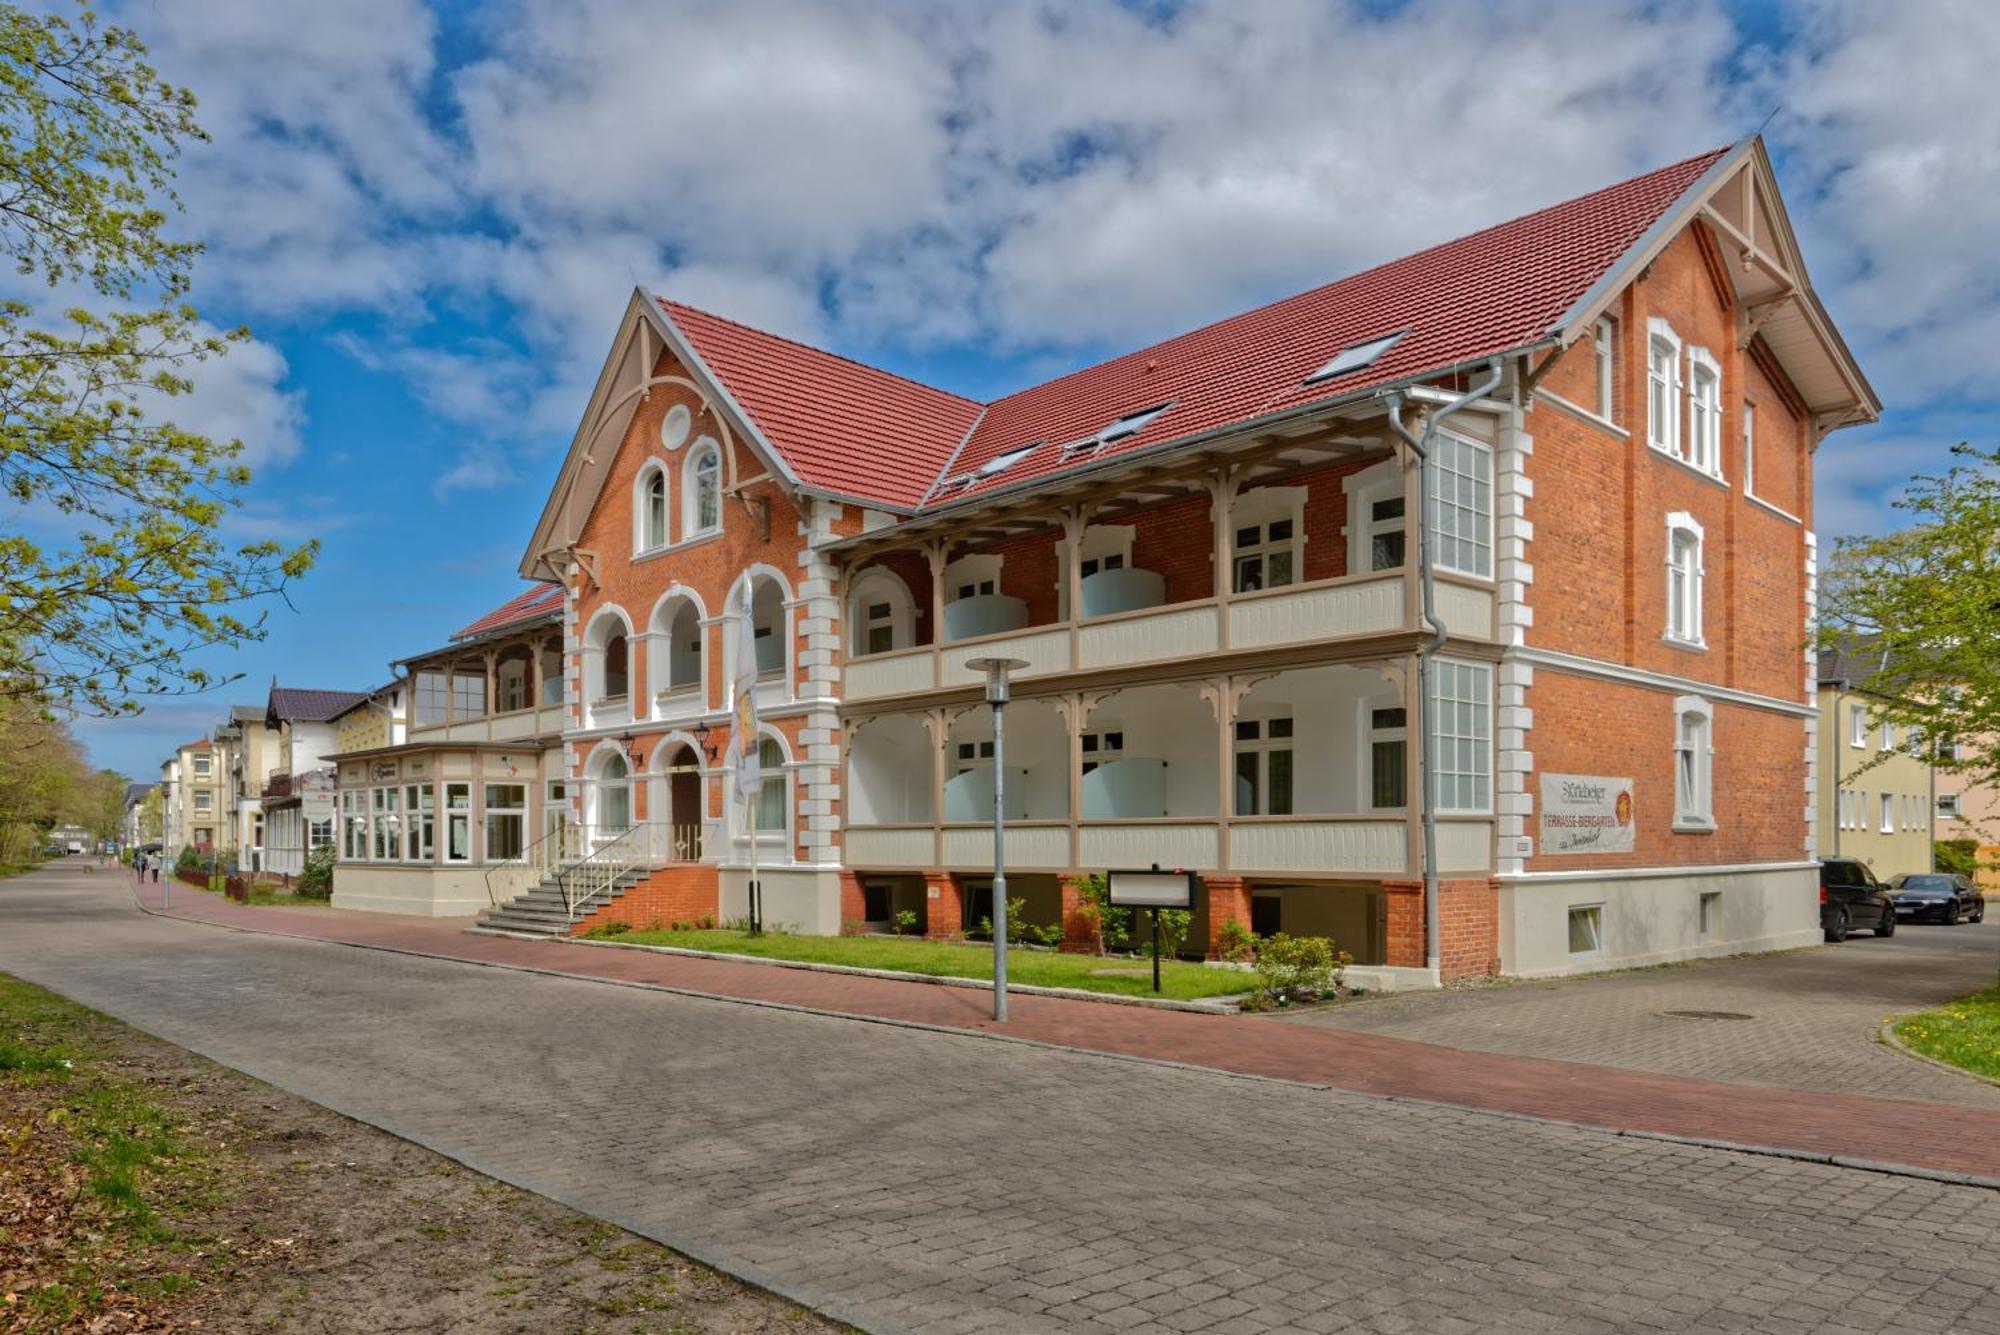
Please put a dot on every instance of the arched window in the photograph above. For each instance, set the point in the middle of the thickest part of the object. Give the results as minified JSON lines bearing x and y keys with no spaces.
{"x":617,"y":667}
{"x":1684,"y":578}
{"x":881,"y":611}
{"x":703,"y":491}
{"x":771,"y":811}
{"x":652,"y":509}
{"x":1694,"y":763}
{"x":611,"y":794}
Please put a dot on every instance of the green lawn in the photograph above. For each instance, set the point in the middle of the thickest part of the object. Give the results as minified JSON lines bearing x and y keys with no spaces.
{"x":1965,"y":1033}
{"x":1037,"y":968}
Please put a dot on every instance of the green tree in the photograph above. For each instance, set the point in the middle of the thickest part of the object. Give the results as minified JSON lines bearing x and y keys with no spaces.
{"x":1926,"y":601}
{"x":141,"y":579}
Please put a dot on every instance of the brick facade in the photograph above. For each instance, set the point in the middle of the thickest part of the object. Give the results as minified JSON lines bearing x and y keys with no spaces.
{"x":683,"y":893}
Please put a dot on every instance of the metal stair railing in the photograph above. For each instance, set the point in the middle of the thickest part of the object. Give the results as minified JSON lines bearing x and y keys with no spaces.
{"x":536,"y":863}
{"x":597,"y":872}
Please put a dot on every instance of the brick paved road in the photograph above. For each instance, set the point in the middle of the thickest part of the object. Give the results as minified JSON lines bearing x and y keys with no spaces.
{"x":923,"y":1181}
{"x":1816,"y":1014}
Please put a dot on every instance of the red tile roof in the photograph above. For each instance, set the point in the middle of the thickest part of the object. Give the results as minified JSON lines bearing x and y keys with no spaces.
{"x":530,"y":604}
{"x":842,"y":426}
{"x":861,"y":432}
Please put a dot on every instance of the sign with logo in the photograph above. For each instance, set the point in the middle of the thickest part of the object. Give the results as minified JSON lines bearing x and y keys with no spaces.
{"x":1586,"y":813}
{"x":385,"y":769}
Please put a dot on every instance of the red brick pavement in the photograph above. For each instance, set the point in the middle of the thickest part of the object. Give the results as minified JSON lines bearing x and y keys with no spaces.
{"x":1955,"y":1140}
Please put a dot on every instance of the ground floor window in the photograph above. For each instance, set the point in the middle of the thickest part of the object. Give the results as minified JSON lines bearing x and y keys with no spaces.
{"x":771,"y":794}
{"x":383,"y":806}
{"x":555,"y":808}
{"x":420,"y":808}
{"x":319,"y":834}
{"x":353,"y":825}
{"x":458,"y":822}
{"x":1586,"y":929}
{"x":506,"y":820}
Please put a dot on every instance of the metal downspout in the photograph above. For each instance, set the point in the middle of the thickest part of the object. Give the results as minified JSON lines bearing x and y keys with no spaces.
{"x":1426,"y":716}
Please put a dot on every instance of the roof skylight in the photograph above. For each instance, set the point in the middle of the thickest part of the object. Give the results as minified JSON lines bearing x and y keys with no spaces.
{"x":1131,"y":424}
{"x":1000,"y":463}
{"x":1355,"y":356}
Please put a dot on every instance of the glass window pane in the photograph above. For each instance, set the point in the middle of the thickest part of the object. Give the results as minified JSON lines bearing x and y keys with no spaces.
{"x":1281,"y":783}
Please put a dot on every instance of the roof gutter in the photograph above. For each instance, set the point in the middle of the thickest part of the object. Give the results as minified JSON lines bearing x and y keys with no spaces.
{"x":1427,"y":716}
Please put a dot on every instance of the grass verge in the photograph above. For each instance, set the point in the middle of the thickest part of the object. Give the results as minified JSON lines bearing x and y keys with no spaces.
{"x":1963,"y":1033}
{"x":1117,"y":975}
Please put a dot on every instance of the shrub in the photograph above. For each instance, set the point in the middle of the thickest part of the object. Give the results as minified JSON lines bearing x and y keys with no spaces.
{"x":1298,"y":968}
{"x":189,"y":860}
{"x":906,"y":922}
{"x":1174,"y":927}
{"x":1107,"y":923}
{"x":1052,"y":935}
{"x":605,"y":929}
{"x":316,"y":878}
{"x":1958,"y":857}
{"x":1235,"y":942}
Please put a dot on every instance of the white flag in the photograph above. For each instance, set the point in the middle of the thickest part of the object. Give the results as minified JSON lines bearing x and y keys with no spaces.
{"x":745,"y":740}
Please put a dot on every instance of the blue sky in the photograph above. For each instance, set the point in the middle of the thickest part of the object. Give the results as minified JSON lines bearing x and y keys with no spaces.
{"x":431,"y":216}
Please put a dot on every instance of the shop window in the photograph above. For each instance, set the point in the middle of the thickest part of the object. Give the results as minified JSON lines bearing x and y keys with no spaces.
{"x":506,"y":820}
{"x":458,"y":822}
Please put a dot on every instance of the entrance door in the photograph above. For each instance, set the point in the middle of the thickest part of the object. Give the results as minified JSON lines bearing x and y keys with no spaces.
{"x":684,"y":807}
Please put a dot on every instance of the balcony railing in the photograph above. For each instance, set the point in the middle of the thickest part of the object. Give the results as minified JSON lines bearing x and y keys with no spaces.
{"x":1351,"y":606}
{"x":1371,"y":844}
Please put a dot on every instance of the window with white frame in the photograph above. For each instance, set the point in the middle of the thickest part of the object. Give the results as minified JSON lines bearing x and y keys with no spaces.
{"x":1684,"y":579}
{"x":1749,"y":448}
{"x":384,"y":806}
{"x":202,"y":767}
{"x":1376,"y":518}
{"x":506,"y":820}
{"x":649,"y":509}
{"x":1101,"y":746}
{"x":1857,"y":726}
{"x":1388,"y":756}
{"x":353,"y":825}
{"x":1605,"y":354}
{"x":458,"y":822}
{"x":1268,"y":527}
{"x":877,"y":629}
{"x":1888,"y":742}
{"x":1947,"y":806}
{"x":204,"y":802}
{"x":975,"y":755}
{"x":702,"y":491}
{"x":428,"y":696}
{"x":1586,"y":929}
{"x":1704,"y":436}
{"x":1663,"y":387}
{"x":420,"y":820}
{"x":771,"y":813}
{"x":881,"y":612}
{"x":1888,"y":813}
{"x":1264,"y":767}
{"x":1694,"y":764}
{"x":1462,"y":705}
{"x":1461,"y":505}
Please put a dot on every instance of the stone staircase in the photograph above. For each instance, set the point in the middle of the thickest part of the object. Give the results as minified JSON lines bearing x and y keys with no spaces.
{"x":540,"y":911}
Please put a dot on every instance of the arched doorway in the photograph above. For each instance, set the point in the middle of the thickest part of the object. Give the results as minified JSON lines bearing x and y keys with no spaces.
{"x":685,"y":813}
{"x":609,"y":813}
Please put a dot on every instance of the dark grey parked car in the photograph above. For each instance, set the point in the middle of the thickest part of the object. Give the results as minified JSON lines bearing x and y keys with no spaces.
{"x":1938,"y":896}
{"x":1851,"y":897}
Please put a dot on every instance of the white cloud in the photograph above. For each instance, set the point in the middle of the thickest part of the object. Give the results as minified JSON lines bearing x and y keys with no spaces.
{"x":240,"y":396}
{"x":1030,"y":176}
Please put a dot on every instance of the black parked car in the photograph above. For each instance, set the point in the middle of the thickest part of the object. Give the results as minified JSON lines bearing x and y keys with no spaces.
{"x":1948,"y":899}
{"x":1851,"y":897}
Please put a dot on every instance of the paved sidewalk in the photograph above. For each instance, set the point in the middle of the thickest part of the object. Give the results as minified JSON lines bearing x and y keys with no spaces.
{"x":1959,"y":1138}
{"x":1808,"y":1019}
{"x":925,"y":1181}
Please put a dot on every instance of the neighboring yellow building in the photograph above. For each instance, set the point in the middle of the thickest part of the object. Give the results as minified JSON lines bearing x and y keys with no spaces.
{"x":1877,"y":789}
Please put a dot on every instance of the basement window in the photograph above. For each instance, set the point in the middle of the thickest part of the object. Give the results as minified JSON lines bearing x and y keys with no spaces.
{"x":1356,"y":356}
{"x":1586,"y":929}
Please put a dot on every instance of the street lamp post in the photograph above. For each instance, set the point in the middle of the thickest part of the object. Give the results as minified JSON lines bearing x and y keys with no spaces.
{"x":996,"y":670}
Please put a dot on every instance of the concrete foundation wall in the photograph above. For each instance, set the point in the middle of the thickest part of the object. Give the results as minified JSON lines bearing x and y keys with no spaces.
{"x":443,"y":892}
{"x":1655,"y":918}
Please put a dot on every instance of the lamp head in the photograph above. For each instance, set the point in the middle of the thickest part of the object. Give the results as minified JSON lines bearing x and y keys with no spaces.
{"x":996,"y":670}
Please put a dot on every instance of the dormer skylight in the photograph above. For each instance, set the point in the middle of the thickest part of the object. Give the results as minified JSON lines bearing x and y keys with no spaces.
{"x":1131,"y":424}
{"x":1355,"y":356}
{"x":1000,"y":463}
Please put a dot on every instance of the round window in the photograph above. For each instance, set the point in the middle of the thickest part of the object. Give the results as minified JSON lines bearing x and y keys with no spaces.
{"x":675,"y":426}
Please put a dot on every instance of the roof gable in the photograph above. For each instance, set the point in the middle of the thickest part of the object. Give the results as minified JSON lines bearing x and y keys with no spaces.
{"x":296,"y":704}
